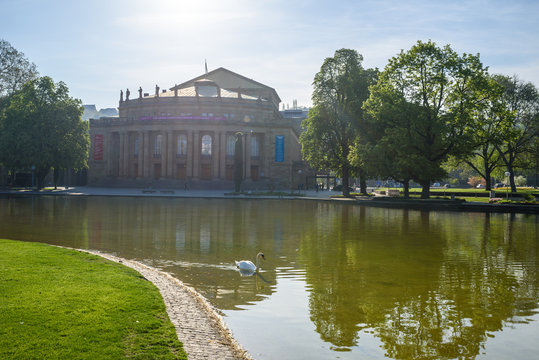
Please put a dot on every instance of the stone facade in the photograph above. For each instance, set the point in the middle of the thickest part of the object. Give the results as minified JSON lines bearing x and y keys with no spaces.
{"x":184,"y":137}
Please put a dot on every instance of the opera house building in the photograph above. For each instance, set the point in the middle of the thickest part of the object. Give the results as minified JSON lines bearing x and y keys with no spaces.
{"x":185,"y":137}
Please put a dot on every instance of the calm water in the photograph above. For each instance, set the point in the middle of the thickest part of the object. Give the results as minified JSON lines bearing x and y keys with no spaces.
{"x":340,"y":281}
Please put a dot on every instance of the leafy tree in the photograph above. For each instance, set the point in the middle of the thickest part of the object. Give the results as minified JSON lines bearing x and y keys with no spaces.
{"x":340,"y":88}
{"x":522,"y":101}
{"x":383,"y":147}
{"x":423,"y":105}
{"x":15,"y":69}
{"x":42,"y":127}
{"x":492,"y":123}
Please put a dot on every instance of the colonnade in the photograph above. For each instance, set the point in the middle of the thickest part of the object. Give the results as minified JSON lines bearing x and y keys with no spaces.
{"x":133,"y":154}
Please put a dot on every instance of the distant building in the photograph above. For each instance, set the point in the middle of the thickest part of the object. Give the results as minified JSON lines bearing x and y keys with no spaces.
{"x":185,"y":136}
{"x":296,"y":115}
{"x":91,"y":112}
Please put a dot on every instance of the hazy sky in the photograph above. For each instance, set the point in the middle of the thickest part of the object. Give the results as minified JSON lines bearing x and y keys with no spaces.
{"x":99,"y":47}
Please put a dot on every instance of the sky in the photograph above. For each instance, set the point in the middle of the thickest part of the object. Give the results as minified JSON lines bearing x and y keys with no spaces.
{"x":99,"y":47}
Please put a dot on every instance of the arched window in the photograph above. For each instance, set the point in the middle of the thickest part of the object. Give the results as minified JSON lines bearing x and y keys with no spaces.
{"x":181,"y":148}
{"x":230,"y":145}
{"x":254,"y":146}
{"x":158,"y":146}
{"x":206,"y":145}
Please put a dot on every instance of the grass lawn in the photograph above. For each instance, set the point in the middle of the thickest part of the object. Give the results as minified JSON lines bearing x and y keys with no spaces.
{"x":469,"y":194}
{"x":63,"y":304}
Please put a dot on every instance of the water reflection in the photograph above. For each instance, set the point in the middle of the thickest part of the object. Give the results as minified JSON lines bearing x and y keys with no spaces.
{"x":430,"y":285}
{"x":419,"y":284}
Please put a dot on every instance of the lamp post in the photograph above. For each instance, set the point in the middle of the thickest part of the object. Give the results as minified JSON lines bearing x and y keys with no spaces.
{"x":506,"y":182}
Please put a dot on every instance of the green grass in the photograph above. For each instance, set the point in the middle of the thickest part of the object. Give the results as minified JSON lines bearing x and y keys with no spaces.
{"x":476,"y":195}
{"x":63,"y":304}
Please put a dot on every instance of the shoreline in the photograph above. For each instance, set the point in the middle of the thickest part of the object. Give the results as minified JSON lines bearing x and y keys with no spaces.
{"x":386,"y":202}
{"x":199,"y":327}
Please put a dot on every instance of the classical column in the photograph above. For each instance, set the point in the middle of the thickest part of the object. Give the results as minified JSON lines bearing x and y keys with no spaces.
{"x":190,"y":154}
{"x":164,"y":155}
{"x":140,"y":155}
{"x":127,"y":155}
{"x":248,"y":156}
{"x":107,"y":152}
{"x":147,"y":154}
{"x":267,"y":154}
{"x":121,"y":155}
{"x":222,"y":156}
{"x":215,"y":156}
{"x":171,"y":154}
{"x":196,"y":154}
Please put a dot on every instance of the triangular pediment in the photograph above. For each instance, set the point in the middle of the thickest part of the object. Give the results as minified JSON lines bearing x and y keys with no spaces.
{"x":230,"y":80}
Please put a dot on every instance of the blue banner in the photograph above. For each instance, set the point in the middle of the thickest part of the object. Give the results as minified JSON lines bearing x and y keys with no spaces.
{"x":279,"y":148}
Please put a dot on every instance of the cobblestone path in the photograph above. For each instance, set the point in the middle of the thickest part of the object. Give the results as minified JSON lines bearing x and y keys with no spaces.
{"x":199,"y":327}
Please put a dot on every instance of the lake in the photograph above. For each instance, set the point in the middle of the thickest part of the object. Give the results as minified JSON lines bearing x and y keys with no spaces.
{"x":339,"y":280}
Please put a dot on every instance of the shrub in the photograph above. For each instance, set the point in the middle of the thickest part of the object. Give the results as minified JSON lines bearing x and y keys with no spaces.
{"x":520,"y":181}
{"x":475,"y":180}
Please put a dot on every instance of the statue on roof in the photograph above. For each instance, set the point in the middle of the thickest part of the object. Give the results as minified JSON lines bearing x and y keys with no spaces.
{"x":140,"y":92}
{"x":121,"y":95}
{"x":127,"y":93}
{"x":156,"y":90}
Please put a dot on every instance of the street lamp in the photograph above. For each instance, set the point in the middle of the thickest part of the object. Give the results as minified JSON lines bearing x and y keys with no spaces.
{"x":506,"y":185}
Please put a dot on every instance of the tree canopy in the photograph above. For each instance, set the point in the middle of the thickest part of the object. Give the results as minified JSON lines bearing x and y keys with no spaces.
{"x":15,"y":69}
{"x":41,"y":126}
{"x":521,"y":100}
{"x":491,"y":124}
{"x":340,"y":88}
{"x":422,"y":108}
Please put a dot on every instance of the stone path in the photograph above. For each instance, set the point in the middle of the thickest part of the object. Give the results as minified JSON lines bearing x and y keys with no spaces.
{"x":199,"y":327}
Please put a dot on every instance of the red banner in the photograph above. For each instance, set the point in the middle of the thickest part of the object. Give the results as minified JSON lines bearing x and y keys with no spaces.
{"x":98,"y":147}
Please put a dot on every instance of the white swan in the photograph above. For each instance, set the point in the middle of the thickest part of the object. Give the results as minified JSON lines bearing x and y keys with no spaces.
{"x":248,"y":266}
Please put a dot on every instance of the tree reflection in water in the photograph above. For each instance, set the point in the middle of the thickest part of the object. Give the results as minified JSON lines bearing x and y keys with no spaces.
{"x":432,"y":288}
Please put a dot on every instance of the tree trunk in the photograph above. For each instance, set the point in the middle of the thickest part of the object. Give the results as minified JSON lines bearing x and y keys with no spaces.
{"x":3,"y":174}
{"x":512,"y":179}
{"x":406,"y":188}
{"x":363,"y":185}
{"x":56,"y":175}
{"x":425,"y":191}
{"x":345,"y":180}
{"x":41,"y":173}
{"x":362,"y":182}
{"x":488,"y":178}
